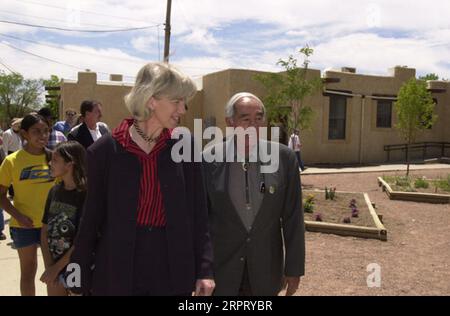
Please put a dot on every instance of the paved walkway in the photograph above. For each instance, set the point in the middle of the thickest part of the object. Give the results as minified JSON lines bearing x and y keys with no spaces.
{"x":10,"y":274}
{"x":10,"y":268}
{"x":377,"y":168}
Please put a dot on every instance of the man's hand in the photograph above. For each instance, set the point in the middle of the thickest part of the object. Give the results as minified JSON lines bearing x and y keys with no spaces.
{"x":204,"y":287}
{"x":292,"y":284}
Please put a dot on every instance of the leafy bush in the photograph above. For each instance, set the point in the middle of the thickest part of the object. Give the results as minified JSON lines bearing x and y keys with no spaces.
{"x":443,"y":184}
{"x":403,"y":181}
{"x":308,"y":204}
{"x":332,"y":193}
{"x":421,"y":183}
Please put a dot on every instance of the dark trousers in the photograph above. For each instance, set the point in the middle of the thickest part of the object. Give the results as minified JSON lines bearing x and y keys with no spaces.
{"x":2,"y":221}
{"x":151,"y":276}
{"x":299,"y":159}
{"x":245,"y":289}
{"x":11,"y":189}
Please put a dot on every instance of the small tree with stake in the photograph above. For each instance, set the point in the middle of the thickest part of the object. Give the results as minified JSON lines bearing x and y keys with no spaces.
{"x":287,"y":90}
{"x":414,"y":109}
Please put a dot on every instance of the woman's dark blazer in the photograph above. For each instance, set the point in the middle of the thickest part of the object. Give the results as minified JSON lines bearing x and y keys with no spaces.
{"x":104,"y":246}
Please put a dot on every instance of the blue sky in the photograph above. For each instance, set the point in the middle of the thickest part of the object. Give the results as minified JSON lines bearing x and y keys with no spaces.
{"x":211,"y":35}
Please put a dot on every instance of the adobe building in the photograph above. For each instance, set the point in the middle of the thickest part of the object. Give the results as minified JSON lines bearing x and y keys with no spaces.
{"x":354,"y":114}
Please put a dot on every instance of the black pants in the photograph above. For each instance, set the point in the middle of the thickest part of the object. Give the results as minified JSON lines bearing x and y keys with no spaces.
{"x":245,"y":289}
{"x":151,"y":275}
{"x":300,"y":161}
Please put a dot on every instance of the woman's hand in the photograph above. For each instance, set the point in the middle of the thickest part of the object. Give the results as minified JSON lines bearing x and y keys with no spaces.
{"x":24,"y":221}
{"x":204,"y":287}
{"x":50,"y":276}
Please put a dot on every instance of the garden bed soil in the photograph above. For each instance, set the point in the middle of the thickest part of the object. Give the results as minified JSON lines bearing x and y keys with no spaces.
{"x":334,"y":211}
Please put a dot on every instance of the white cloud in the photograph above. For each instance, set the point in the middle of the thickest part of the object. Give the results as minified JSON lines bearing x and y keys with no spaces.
{"x":150,"y":43}
{"x":200,"y":38}
{"x":71,"y":59}
{"x":373,"y":54}
{"x":371,"y":35}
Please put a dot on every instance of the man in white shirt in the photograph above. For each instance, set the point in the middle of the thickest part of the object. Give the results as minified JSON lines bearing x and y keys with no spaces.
{"x":295,"y":145}
{"x":11,"y":137}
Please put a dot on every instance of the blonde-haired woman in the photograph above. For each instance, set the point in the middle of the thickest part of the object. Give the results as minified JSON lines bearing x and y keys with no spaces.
{"x":144,"y":226}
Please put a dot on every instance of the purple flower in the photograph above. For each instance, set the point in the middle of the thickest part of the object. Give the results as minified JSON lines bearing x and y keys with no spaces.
{"x":318,"y":218}
{"x":355,"y":213}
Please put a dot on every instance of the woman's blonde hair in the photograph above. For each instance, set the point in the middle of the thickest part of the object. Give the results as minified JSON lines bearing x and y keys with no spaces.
{"x":156,"y":80}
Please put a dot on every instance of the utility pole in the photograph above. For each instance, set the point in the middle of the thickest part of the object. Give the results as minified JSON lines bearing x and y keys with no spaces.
{"x":167,"y":32}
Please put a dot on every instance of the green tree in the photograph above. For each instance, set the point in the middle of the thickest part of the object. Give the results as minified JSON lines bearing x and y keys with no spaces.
{"x":18,"y":96}
{"x":286,"y":93}
{"x":53,"y":100}
{"x":431,"y":76}
{"x":414,"y":109}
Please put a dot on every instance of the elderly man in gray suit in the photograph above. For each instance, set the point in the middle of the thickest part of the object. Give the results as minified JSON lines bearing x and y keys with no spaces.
{"x":256,"y":218}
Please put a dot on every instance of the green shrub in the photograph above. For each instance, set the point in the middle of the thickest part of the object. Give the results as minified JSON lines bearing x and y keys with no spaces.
{"x":308,"y":204}
{"x":443,"y":184}
{"x":403,"y":181}
{"x":421,"y":183}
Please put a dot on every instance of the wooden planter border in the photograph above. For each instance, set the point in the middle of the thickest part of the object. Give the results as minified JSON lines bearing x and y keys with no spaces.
{"x":413,"y":196}
{"x":378,"y":232}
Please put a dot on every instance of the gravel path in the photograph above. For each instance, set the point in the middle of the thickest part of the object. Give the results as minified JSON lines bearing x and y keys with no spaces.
{"x":414,"y":261}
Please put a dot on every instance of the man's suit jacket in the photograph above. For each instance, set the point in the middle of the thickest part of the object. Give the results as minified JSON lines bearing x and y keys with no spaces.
{"x":82,"y":135}
{"x":278,"y":223}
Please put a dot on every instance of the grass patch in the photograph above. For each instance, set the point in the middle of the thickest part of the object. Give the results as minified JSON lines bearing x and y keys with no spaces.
{"x":418,"y":184}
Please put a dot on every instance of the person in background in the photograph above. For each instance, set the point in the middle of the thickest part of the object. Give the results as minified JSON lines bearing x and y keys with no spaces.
{"x":11,"y":137}
{"x":69,"y":122}
{"x":2,"y":218}
{"x":62,"y":214}
{"x":91,"y":129}
{"x":28,"y":171}
{"x":55,"y":136}
{"x":296,"y":145}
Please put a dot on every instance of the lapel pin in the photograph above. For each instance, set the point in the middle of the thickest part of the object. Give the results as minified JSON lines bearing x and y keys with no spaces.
{"x":272,"y":189}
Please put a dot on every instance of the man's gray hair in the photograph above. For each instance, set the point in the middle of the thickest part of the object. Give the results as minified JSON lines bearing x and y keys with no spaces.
{"x":230,"y":106}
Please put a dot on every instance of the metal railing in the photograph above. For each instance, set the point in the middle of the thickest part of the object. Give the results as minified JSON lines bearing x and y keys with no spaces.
{"x":417,"y":146}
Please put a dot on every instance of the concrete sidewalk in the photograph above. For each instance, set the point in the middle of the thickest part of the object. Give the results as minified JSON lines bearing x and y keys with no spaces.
{"x":10,"y":268}
{"x":377,"y":168}
{"x":9,"y":260}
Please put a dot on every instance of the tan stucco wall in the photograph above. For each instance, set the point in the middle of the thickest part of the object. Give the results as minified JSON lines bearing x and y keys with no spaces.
{"x":110,"y":95}
{"x":364,"y":142}
{"x":194,"y":111}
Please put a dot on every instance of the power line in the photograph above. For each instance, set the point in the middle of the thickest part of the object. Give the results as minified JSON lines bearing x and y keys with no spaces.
{"x":7,"y":67}
{"x":69,"y":49}
{"x":39,"y":56}
{"x":85,"y":11}
{"x":55,"y":61}
{"x":47,"y":19}
{"x":99,"y":55}
{"x":74,"y":30}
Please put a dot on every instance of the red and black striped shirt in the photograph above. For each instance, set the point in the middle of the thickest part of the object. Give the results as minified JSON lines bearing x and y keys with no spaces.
{"x":150,"y":207}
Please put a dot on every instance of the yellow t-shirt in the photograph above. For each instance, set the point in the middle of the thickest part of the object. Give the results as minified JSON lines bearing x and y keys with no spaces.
{"x":30,"y":176}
